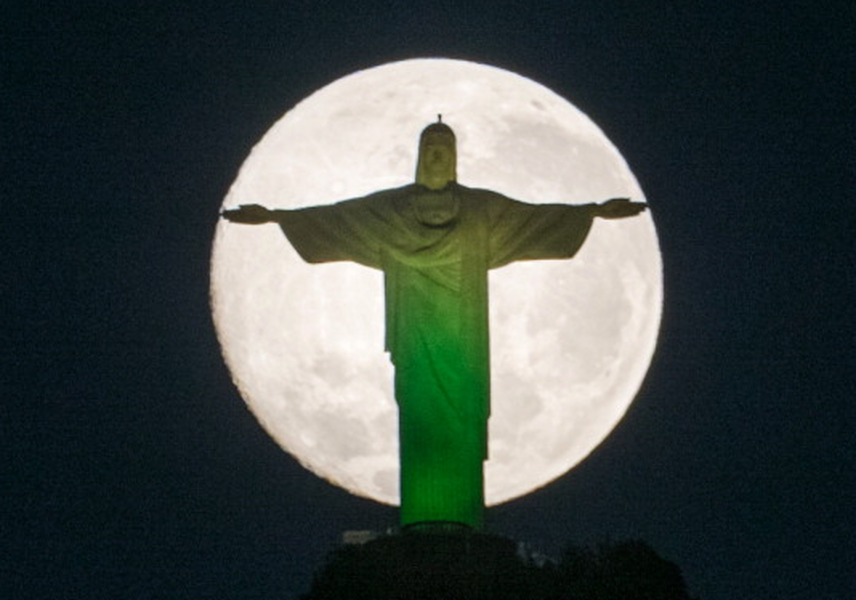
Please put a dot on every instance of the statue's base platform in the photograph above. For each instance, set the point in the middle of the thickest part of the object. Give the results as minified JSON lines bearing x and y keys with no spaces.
{"x":451,"y":528}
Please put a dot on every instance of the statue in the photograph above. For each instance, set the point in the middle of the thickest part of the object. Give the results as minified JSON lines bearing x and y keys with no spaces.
{"x":435,"y":241}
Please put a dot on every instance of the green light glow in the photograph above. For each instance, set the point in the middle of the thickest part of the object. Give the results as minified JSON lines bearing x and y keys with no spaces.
{"x":441,"y":384}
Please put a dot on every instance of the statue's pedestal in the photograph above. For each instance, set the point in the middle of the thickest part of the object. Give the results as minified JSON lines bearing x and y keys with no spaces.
{"x":423,"y":564}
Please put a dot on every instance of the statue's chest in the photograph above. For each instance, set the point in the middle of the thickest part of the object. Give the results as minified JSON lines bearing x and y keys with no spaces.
{"x":435,"y":209}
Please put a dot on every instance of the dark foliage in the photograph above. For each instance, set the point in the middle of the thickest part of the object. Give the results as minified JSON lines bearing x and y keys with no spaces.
{"x":629,"y":570}
{"x":476,"y":567}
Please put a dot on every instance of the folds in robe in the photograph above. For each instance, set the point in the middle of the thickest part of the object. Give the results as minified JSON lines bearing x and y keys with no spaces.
{"x":435,"y":249}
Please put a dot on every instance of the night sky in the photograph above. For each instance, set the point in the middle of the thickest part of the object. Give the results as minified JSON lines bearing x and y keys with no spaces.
{"x":130,"y":466}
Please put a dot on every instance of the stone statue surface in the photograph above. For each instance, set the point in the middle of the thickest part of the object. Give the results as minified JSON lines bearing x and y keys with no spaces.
{"x":435,"y":241}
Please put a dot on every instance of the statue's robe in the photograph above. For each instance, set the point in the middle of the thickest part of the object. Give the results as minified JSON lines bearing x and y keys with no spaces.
{"x":435,"y":248}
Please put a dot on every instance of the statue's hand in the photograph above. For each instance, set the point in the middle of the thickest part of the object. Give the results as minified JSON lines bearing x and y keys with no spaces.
{"x":249,"y":214}
{"x":618,"y":208}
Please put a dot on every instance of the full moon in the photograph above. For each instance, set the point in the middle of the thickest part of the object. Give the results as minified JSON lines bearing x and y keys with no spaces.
{"x":571,"y":340}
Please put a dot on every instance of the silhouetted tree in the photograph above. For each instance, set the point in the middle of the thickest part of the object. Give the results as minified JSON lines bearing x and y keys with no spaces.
{"x":628,"y":570}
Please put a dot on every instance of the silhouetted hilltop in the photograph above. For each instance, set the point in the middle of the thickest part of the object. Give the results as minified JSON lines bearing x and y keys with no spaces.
{"x":433,"y":566}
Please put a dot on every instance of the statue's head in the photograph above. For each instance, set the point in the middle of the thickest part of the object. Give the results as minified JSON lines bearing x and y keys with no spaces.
{"x":437,"y":157}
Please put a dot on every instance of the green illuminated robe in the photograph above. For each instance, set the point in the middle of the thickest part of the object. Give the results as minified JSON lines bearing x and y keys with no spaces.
{"x":435,"y":248}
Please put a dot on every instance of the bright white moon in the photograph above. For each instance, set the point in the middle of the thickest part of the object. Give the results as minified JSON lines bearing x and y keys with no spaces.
{"x":570,"y":340}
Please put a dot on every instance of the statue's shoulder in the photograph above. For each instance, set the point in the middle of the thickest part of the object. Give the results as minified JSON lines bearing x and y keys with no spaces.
{"x":477,"y":193}
{"x":482,"y":196}
{"x":396,"y":192}
{"x":380,"y":201}
{"x":390,"y":194}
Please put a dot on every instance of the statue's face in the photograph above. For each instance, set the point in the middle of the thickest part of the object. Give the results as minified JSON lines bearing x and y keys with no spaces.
{"x":438,"y":154}
{"x":437,"y":160}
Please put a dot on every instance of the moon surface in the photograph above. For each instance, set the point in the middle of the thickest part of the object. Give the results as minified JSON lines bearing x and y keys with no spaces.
{"x":571,"y":340}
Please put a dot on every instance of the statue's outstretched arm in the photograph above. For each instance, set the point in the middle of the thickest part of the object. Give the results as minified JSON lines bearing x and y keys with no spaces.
{"x":618,"y":208}
{"x":344,"y":231}
{"x":252,"y":214}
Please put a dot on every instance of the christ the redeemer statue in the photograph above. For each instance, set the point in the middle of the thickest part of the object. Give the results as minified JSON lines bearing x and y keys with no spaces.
{"x":435,"y":241}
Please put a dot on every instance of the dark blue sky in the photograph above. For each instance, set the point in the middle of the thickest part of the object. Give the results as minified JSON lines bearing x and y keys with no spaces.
{"x":130,"y":466}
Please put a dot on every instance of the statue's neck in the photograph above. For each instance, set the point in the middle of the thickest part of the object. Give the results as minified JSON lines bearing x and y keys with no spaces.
{"x":437,"y":185}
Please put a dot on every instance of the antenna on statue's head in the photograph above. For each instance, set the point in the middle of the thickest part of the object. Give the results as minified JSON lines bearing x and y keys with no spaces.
{"x":439,"y":128}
